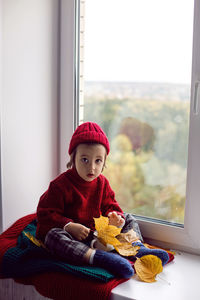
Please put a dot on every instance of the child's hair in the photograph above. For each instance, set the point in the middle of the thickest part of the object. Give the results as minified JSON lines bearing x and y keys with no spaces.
{"x":71,"y":162}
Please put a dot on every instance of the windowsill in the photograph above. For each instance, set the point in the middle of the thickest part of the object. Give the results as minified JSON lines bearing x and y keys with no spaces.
{"x":179,"y":280}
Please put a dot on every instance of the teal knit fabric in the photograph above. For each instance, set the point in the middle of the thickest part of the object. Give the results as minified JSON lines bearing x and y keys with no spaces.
{"x":28,"y":259}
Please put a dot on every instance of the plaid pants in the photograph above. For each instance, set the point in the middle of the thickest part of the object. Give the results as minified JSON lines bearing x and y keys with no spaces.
{"x":61,"y":244}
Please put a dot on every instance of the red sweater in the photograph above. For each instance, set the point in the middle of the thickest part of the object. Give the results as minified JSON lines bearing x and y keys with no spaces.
{"x":69,"y":198}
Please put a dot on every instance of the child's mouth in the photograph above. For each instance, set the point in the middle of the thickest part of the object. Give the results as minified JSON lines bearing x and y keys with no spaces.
{"x":90,"y":175}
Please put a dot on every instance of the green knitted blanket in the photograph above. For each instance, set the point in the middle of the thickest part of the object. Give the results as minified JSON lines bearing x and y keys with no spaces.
{"x":27,"y":259}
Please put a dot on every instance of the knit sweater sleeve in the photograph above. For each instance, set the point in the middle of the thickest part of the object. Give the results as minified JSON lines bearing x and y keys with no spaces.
{"x":109,"y":203}
{"x":50,"y":210}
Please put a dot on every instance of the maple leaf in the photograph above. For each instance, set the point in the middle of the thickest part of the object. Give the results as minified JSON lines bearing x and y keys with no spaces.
{"x":127,"y":249}
{"x":106,"y":233}
{"x":130,"y":237}
{"x":147,"y":267}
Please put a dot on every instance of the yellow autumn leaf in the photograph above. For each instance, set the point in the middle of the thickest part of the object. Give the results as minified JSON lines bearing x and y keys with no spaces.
{"x":126,"y":249}
{"x":147,"y":267}
{"x":33,"y":239}
{"x":106,"y":233}
{"x":130,"y":237}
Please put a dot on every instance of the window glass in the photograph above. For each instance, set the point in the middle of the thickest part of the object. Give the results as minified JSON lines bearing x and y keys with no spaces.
{"x":135,"y":74}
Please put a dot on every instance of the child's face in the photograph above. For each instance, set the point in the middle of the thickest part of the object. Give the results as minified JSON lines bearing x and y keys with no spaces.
{"x":90,"y":160}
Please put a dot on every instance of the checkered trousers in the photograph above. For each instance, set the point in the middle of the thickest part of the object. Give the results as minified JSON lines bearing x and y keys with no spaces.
{"x":61,"y":244}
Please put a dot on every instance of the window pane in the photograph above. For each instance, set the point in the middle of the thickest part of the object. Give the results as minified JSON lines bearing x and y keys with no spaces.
{"x":136,"y":84}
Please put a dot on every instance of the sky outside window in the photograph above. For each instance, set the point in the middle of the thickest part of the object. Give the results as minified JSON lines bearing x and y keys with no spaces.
{"x":133,"y":40}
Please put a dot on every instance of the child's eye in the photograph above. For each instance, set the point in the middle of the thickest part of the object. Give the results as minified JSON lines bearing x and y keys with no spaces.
{"x":98,"y":161}
{"x":84,"y":160}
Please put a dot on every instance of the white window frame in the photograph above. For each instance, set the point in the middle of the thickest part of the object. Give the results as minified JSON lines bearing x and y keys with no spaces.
{"x":186,"y":238}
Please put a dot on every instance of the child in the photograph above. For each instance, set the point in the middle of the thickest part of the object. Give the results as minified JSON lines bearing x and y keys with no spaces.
{"x":66,"y":210}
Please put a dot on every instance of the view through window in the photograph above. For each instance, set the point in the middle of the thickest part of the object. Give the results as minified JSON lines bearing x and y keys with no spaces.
{"x":135,"y":74}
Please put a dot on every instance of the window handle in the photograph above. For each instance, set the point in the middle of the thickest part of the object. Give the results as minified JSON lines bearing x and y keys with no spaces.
{"x":196,"y":98}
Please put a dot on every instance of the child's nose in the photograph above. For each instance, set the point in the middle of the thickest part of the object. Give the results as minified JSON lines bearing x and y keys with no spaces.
{"x":92,"y":166}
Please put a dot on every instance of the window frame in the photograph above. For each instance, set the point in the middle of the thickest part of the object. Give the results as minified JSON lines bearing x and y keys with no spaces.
{"x":186,"y":238}
{"x":68,"y":71}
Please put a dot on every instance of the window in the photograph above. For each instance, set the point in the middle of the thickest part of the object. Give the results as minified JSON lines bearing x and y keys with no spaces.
{"x":137,"y":86}
{"x":146,"y":152}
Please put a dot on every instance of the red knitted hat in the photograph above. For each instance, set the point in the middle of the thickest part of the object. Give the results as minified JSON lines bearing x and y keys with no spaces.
{"x":88,"y":132}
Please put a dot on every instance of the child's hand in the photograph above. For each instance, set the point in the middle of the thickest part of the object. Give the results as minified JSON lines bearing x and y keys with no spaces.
{"x":115,"y":219}
{"x":78,"y":231}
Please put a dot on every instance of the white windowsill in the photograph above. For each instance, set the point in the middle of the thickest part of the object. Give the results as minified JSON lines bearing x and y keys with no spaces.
{"x":180,"y":281}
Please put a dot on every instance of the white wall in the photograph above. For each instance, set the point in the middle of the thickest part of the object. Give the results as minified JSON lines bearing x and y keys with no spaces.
{"x":29,"y":88}
{"x":0,"y":105}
